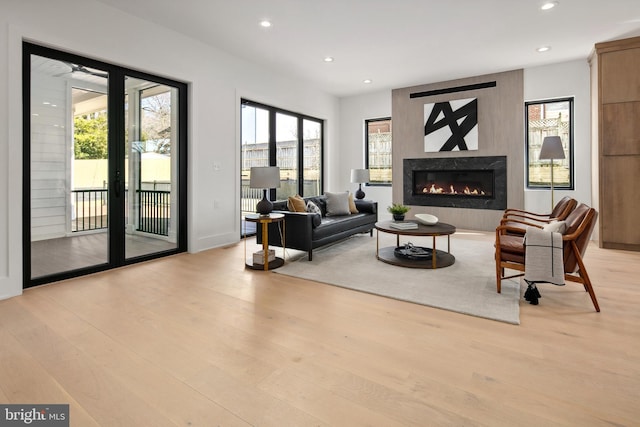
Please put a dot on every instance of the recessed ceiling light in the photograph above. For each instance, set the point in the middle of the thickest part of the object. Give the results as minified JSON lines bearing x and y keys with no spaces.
{"x":367,"y":81}
{"x":265,"y":23}
{"x":549,"y":5}
{"x":328,"y":59}
{"x":543,"y":49}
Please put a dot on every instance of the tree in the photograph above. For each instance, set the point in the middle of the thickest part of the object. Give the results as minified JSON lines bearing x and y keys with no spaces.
{"x":156,"y":121}
{"x":90,"y":137}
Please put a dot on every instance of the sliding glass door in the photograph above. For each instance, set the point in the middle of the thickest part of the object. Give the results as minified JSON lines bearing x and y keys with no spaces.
{"x":104,"y":171}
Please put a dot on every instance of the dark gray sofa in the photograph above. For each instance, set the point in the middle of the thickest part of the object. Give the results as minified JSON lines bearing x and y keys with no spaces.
{"x":307,"y":231}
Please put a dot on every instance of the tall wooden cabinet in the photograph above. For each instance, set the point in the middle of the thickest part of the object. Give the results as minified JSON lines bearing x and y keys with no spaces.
{"x":616,"y":70}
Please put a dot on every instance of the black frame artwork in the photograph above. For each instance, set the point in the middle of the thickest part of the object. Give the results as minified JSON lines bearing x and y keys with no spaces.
{"x":451,"y":125}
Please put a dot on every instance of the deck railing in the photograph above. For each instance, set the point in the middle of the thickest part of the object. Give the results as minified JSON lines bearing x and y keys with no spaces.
{"x":154,"y":211}
{"x":91,"y":210}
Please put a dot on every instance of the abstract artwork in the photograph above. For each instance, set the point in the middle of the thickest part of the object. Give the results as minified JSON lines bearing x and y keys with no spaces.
{"x":451,"y":125}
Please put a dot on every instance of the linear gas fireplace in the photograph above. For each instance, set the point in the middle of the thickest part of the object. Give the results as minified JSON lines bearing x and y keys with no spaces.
{"x":460,"y":182}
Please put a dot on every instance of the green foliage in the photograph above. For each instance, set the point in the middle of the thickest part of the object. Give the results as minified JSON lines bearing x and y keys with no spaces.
{"x":90,"y":137}
{"x":398,"y":209}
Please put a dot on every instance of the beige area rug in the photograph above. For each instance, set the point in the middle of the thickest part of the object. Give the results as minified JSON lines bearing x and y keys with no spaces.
{"x":468,"y":286}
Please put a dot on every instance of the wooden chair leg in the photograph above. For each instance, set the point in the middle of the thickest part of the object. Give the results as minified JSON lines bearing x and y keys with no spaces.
{"x":582,"y":271}
{"x":499,"y":270}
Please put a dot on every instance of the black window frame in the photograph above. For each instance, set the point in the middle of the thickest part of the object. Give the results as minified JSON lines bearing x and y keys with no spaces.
{"x":273,"y":143}
{"x":366,"y":150}
{"x":116,"y":134}
{"x":570,"y":147}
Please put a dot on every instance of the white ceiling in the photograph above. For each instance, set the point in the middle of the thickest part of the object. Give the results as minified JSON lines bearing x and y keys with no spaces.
{"x":395,"y":43}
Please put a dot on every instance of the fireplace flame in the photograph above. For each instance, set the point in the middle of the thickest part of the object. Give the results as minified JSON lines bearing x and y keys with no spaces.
{"x":433,"y":189}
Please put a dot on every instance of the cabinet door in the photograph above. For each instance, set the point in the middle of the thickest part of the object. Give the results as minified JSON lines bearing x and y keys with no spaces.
{"x":619,"y":139}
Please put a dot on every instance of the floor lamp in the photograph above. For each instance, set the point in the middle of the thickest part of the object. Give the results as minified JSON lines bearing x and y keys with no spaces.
{"x":551,"y":150}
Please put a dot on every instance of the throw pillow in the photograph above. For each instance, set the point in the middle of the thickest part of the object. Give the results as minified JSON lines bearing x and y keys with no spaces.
{"x":321,"y":202}
{"x":352,"y":205}
{"x":556,"y":227}
{"x":337,"y":204}
{"x":313,"y":208}
{"x":296,"y":204}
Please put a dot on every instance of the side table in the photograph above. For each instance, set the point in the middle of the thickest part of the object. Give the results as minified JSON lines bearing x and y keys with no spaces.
{"x":264,"y":221}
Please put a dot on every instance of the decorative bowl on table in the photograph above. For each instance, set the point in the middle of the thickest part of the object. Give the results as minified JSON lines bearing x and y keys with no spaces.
{"x":426,"y":219}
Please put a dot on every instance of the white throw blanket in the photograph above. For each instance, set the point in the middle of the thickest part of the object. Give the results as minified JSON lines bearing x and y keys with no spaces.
{"x":543,"y":260}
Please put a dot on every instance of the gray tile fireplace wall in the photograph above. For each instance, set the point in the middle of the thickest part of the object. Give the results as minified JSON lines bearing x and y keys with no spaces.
{"x":443,"y":181}
{"x":500,"y":115}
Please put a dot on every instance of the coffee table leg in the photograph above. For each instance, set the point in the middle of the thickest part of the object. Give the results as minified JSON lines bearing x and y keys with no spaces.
{"x":433,"y":253}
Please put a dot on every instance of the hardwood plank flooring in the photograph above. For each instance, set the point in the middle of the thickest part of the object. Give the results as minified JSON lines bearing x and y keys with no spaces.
{"x":195,"y":339}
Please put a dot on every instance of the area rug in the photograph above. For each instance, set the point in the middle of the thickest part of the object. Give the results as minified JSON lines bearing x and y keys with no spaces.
{"x":468,"y":286}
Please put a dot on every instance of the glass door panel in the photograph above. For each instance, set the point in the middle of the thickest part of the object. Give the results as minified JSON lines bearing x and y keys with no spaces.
{"x":287,"y":155}
{"x":312,"y":144}
{"x":151,"y":165}
{"x":68,"y":167}
{"x":254,"y":139}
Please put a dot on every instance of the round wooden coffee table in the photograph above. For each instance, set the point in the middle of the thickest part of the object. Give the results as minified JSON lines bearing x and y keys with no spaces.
{"x":396,"y":255}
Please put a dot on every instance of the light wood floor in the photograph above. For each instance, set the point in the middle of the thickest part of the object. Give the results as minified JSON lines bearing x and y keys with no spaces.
{"x":197,"y":340}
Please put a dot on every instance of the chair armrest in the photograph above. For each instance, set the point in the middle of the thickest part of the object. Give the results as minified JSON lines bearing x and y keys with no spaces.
{"x":515,"y":216}
{"x":505,"y":221}
{"x":505,"y":229}
{"x":523,"y":212}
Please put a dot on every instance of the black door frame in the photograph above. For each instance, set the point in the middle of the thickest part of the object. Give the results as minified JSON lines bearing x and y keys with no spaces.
{"x":116,"y":155}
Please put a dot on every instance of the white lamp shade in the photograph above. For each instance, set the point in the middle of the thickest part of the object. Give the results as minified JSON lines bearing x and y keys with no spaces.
{"x":551,"y":148}
{"x":359,"y":175}
{"x":265,"y":177}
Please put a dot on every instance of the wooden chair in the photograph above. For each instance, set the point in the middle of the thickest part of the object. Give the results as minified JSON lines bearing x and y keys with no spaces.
{"x":510,"y":249}
{"x":520,"y":219}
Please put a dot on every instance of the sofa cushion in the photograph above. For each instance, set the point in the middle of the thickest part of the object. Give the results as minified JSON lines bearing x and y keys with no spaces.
{"x":332,"y":225}
{"x":319,"y":201}
{"x":296,"y":204}
{"x":313,"y":208}
{"x":337,"y":204}
{"x":352,"y":205}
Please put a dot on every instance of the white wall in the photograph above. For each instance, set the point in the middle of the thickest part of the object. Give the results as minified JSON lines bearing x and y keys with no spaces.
{"x":216,"y":80}
{"x":556,"y":81}
{"x":354,"y":111}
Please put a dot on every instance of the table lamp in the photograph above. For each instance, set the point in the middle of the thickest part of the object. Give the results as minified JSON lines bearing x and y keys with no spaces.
{"x":265,"y":177}
{"x":551,"y":149}
{"x":359,"y":176}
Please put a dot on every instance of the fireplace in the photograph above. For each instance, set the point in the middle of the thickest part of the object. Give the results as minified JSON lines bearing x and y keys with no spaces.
{"x":460,"y":182}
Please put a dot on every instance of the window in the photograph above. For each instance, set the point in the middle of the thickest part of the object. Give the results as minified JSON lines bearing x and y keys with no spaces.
{"x":378,"y":150}
{"x":549,"y":118}
{"x":272,"y":136}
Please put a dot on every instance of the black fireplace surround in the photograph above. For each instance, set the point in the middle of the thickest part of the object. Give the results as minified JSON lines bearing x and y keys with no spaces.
{"x":458,"y":182}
